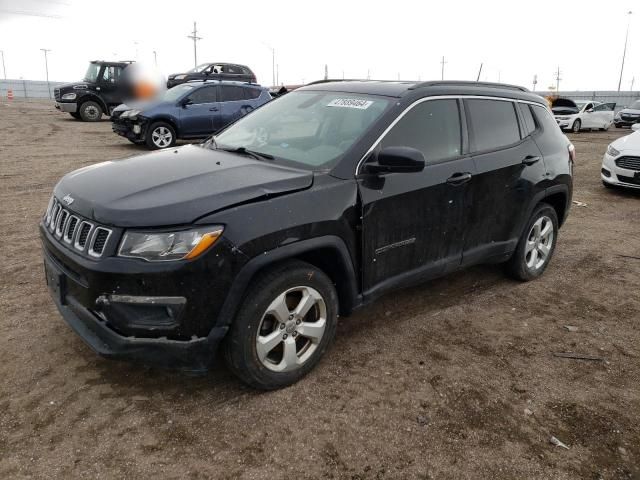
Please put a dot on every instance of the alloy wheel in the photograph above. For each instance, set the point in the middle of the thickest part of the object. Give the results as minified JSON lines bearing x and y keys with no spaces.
{"x":291,"y":329}
{"x":539,"y":243}
{"x":161,"y":137}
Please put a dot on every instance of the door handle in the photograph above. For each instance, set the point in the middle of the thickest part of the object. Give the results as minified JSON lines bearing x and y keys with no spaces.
{"x":530,"y":159}
{"x":459,"y":178}
{"x":213,"y":109}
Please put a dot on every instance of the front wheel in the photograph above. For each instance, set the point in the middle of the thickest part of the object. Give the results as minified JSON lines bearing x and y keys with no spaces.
{"x":577,"y":125}
{"x":160,"y":135}
{"x":285,"y":325}
{"x":90,"y":111}
{"x":536,"y":245}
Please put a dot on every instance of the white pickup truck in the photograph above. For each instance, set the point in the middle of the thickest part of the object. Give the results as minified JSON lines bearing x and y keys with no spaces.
{"x":576,"y":115}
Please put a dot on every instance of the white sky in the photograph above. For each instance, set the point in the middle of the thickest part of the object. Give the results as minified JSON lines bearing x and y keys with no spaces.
{"x":515,"y":39}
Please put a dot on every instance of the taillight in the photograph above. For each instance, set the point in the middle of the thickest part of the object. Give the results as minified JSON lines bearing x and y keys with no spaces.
{"x":572,"y":152}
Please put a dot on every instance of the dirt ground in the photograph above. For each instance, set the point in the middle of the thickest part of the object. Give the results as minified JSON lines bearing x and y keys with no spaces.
{"x":452,"y":379}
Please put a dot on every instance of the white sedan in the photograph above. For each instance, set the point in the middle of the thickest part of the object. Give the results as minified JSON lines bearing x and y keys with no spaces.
{"x":576,"y":115}
{"x":621,"y":162}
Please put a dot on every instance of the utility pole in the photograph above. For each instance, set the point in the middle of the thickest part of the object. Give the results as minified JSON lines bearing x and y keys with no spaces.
{"x":442,"y":63}
{"x":4,"y":70}
{"x":326,"y":72}
{"x":479,"y":72}
{"x":557,"y":75}
{"x":624,"y":52}
{"x":155,"y":58}
{"x":277,"y":74}
{"x":633,"y":79}
{"x":535,"y":82}
{"x":368,"y":74}
{"x":46,"y":68}
{"x":194,"y":36}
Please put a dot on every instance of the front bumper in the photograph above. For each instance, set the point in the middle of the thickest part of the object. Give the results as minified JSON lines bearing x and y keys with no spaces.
{"x":133,"y":130}
{"x":565,"y":123}
{"x":625,"y":122}
{"x":614,"y":175}
{"x":69,"y":107}
{"x":163,"y":314}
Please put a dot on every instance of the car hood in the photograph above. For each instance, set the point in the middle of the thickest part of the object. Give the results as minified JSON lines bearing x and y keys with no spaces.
{"x":564,"y":106}
{"x":174,"y":186}
{"x":630,"y":111}
{"x":629,"y":144}
{"x":142,"y":105}
{"x":74,"y":86}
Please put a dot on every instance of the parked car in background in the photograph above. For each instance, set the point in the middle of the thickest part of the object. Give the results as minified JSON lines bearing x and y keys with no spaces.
{"x":576,"y":115}
{"x":621,"y":161}
{"x":216,"y":70}
{"x":100,"y":91}
{"x":628,"y":116}
{"x":191,"y":110}
{"x":312,"y":206}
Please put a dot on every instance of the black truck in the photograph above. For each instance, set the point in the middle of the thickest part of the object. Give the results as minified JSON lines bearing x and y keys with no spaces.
{"x":101,"y":90}
{"x":311,"y":206}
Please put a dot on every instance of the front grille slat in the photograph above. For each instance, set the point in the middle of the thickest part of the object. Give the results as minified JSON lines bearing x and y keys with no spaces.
{"x":630,"y":180}
{"x":77,"y":233}
{"x":630,"y":163}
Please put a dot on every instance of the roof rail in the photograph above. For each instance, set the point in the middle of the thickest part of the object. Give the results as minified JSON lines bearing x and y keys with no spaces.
{"x":467,"y":83}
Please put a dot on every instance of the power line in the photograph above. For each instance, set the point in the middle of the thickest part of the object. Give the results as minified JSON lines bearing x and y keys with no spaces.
{"x":624,"y":52}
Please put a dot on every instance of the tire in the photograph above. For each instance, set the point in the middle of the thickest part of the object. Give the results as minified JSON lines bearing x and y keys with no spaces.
{"x":577,"y":125}
{"x":137,"y":142}
{"x":526,"y":263}
{"x":160,"y":135}
{"x":618,"y":126}
{"x":75,"y":115}
{"x":90,"y":112}
{"x":288,"y":354}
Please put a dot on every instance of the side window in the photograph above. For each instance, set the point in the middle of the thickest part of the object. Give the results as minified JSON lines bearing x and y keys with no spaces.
{"x":588,"y":107}
{"x":603,"y":107}
{"x":552,"y":139}
{"x":230,"y":93}
{"x":529,"y":122}
{"x":204,"y":95}
{"x":111,"y":74}
{"x":251,"y":93}
{"x":433,"y":127}
{"x":493,"y":124}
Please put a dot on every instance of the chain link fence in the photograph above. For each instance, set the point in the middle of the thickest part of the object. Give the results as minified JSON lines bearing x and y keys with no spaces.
{"x":27,"y":88}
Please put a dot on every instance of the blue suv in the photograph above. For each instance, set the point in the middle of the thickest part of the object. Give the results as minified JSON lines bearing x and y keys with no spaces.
{"x":189,"y":110}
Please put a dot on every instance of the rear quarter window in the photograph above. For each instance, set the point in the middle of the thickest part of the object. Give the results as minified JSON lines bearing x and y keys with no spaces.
{"x":552,"y":139}
{"x":251,"y":93}
{"x":493,"y":123}
{"x":529,"y":121}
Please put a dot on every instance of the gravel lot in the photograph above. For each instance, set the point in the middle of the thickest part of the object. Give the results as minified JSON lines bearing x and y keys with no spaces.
{"x":452,"y":379}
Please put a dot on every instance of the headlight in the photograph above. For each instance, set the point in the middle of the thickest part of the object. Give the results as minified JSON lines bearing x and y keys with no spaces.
{"x":69,"y":96}
{"x":130,"y":113}
{"x":179,"y":77}
{"x":165,"y":246}
{"x":612,"y":151}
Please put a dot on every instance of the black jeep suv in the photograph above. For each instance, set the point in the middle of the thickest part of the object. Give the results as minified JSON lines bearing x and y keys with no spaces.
{"x":311,"y":206}
{"x":101,"y":90}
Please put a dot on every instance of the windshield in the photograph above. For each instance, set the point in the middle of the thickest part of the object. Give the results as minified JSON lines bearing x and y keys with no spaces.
{"x":92,"y":73}
{"x":635,"y":105}
{"x":199,"y":68}
{"x":176,"y":92}
{"x":579,"y":104}
{"x":312,"y":129}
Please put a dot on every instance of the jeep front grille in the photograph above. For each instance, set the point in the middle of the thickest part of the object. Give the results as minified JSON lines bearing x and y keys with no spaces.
{"x":56,"y":94}
{"x":79,"y":234}
{"x":630,"y":163}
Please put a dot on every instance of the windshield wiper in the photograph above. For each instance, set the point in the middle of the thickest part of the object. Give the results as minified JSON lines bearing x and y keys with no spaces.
{"x":251,"y":153}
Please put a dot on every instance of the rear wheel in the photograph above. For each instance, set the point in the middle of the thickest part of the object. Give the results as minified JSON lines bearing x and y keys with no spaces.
{"x":90,"y":111}
{"x":536,"y":245}
{"x":577,"y":125}
{"x":160,"y":135}
{"x":285,"y":324}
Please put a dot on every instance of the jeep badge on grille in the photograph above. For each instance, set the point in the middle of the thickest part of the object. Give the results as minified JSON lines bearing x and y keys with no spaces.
{"x":68,"y":199}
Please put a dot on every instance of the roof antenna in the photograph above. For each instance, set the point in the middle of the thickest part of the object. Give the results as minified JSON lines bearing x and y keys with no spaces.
{"x":479,"y":72}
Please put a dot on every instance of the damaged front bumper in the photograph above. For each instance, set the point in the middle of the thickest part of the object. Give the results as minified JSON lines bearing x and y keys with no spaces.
{"x":134,"y":130}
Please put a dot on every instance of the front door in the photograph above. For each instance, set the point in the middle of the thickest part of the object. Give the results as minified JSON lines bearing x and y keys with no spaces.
{"x":413,"y":223}
{"x":110,"y":85}
{"x":509,"y":167}
{"x":198,"y":116}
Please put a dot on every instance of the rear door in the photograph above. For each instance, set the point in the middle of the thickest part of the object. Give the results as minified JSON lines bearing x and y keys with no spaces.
{"x":233,"y":105}
{"x":198,"y":118}
{"x":509,"y":167}
{"x":413,"y":223}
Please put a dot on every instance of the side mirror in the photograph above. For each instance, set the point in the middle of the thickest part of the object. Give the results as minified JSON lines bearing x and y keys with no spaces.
{"x":590,"y":110}
{"x":635,"y":127}
{"x":396,"y":160}
{"x":186,"y":101}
